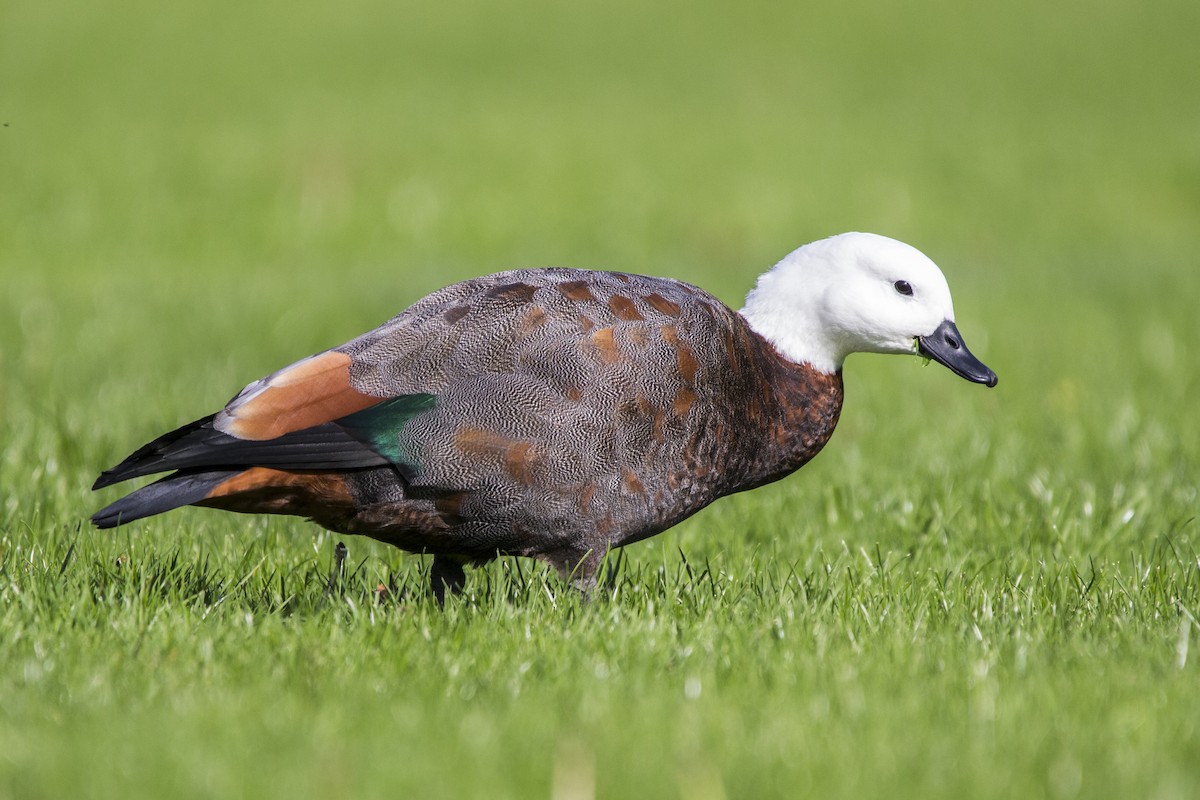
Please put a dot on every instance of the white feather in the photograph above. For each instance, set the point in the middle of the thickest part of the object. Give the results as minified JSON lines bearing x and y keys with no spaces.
{"x":838,"y":296}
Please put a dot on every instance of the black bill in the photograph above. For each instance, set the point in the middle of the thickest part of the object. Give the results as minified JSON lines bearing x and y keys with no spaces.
{"x":945,"y":346}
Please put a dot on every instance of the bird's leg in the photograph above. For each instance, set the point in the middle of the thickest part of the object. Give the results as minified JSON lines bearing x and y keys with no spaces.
{"x":580,"y":570}
{"x":446,"y":574}
{"x":339,"y":567}
{"x":612,"y":570}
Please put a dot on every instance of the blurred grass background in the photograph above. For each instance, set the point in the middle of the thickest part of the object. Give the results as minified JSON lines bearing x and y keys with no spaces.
{"x":192,"y":196}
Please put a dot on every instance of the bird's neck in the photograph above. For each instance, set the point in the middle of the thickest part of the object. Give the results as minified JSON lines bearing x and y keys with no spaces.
{"x":784,"y":308}
{"x":795,"y":415}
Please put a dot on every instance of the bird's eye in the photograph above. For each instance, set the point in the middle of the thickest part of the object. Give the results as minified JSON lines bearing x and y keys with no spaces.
{"x":904,"y":288}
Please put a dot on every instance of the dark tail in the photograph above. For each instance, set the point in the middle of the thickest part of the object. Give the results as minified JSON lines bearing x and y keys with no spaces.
{"x":150,"y":458}
{"x":199,"y":445}
{"x":173,"y":491}
{"x":204,"y":457}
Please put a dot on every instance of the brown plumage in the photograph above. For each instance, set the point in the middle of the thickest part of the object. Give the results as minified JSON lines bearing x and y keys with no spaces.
{"x":550,"y":413}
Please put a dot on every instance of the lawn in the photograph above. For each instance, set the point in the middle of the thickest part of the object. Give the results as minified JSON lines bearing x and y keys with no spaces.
{"x":970,"y":593}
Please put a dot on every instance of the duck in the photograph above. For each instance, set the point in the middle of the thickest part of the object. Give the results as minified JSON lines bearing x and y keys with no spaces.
{"x":555,"y":413}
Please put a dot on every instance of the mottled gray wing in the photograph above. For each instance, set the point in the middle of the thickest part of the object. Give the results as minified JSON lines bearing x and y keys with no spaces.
{"x":566,"y":398}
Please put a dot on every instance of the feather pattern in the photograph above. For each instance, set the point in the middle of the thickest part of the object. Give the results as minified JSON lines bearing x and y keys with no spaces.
{"x":552,"y":413}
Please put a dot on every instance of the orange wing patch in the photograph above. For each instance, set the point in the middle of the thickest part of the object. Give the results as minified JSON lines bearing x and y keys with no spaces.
{"x":519,"y":457}
{"x":578,"y":291}
{"x":531,"y":321}
{"x":272,"y":491}
{"x":684,"y":400}
{"x":632,"y":483}
{"x":587,"y":493}
{"x":624,"y":308}
{"x":308,"y":393}
{"x":663,"y":304}
{"x":606,"y":347}
{"x":685,"y":360}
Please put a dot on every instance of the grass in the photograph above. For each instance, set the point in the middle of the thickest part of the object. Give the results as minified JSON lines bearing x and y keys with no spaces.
{"x":970,"y":593}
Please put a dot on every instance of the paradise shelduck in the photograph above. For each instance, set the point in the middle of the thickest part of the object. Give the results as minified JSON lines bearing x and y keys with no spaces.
{"x":556,"y":413}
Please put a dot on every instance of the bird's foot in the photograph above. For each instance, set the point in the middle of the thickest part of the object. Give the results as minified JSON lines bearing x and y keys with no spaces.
{"x":446,"y":575}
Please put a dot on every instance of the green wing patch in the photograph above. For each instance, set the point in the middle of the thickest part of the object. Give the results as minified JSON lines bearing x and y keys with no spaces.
{"x":379,"y":428}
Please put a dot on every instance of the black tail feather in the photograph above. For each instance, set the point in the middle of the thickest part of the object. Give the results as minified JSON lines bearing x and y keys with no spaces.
{"x":199,"y":445}
{"x":144,"y":460}
{"x":173,"y":491}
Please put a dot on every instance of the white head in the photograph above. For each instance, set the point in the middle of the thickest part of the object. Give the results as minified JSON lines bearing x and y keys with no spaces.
{"x":859,"y":293}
